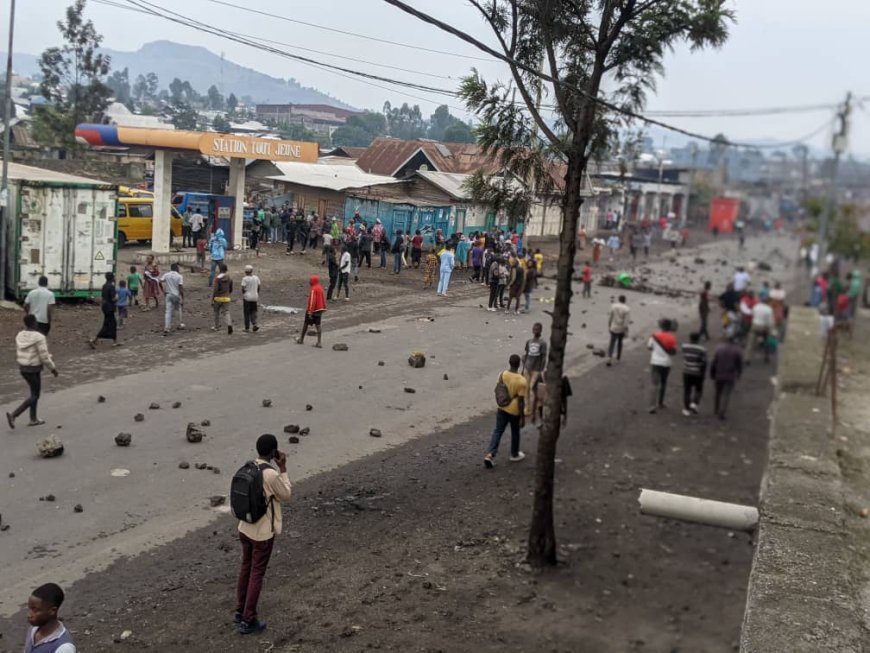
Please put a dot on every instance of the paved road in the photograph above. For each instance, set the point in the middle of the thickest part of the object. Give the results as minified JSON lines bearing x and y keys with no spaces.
{"x":125,"y":515}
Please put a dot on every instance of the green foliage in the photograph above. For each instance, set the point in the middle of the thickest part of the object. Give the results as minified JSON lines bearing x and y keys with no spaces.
{"x":845,"y":236}
{"x":232,"y":102}
{"x":459,"y":132}
{"x":502,"y":195}
{"x":119,"y":84}
{"x":221,"y":124}
{"x":215,"y":99}
{"x":406,"y":122}
{"x":183,"y":116}
{"x":360,"y":129}
{"x":73,"y":79}
{"x":145,"y":89}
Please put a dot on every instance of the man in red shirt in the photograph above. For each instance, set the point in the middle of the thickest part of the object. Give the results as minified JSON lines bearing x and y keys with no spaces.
{"x":416,"y":248}
{"x":587,"y":279}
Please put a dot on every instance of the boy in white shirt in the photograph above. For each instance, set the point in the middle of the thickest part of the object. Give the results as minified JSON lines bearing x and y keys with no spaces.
{"x":250,"y":297}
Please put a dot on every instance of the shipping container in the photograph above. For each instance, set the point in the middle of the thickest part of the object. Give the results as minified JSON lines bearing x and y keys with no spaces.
{"x":60,"y":226}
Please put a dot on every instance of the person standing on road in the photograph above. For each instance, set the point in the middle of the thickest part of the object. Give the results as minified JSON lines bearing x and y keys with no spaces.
{"x":173,"y":287}
{"x":365,"y":247}
{"x":694,"y":369}
{"x":741,"y":280}
{"x":250,"y":297}
{"x":314,"y":310}
{"x":726,"y":369}
{"x":109,"y":330}
{"x":516,"y":285}
{"x":38,"y":303}
{"x":416,"y":249}
{"x":332,"y":267}
{"x":196,"y":224}
{"x":534,"y":362}
{"x":345,"y":264}
{"x":647,"y":242}
{"x":429,"y":268}
{"x":704,"y":310}
{"x":151,"y":281}
{"x":123,"y":302}
{"x":587,"y":280}
{"x":398,"y":248}
{"x":31,"y":353}
{"x":134,"y":280}
{"x":617,"y":324}
{"x":511,"y":391}
{"x":477,"y":253}
{"x":760,"y":330}
{"x":531,"y":284}
{"x":258,"y":538}
{"x":221,"y":297}
{"x":186,"y":220}
{"x":663,"y":345}
{"x":217,"y":247}
{"x":448,"y":262}
{"x":47,"y":633}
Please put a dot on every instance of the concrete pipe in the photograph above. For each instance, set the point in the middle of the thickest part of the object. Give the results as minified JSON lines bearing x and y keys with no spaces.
{"x":702,"y":511}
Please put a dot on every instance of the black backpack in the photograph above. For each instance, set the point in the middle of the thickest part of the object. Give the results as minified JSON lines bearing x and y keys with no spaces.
{"x":247,"y":495}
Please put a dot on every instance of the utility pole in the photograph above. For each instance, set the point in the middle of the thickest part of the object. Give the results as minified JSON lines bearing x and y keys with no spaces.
{"x":7,"y":135}
{"x":839,"y":144}
{"x":686,"y":213}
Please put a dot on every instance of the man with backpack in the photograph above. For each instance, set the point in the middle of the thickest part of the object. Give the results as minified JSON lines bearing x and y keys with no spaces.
{"x":256,"y":489}
{"x":510,"y":398}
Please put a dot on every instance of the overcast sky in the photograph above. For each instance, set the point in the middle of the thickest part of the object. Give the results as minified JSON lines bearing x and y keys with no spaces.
{"x":781,"y":53}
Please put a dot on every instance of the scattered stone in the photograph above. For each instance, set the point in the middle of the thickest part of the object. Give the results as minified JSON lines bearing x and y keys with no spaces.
{"x":11,"y":474}
{"x":294,"y":439}
{"x":205,"y":422}
{"x":309,"y":407}
{"x":101,"y":399}
{"x":138,"y":417}
{"x":410,"y":391}
{"x":123,"y":439}
{"x":194,"y":434}
{"x":184,"y":465}
{"x":865,"y":512}
{"x":176,"y":404}
{"x":4,"y":528}
{"x":154,"y":406}
{"x":590,"y":346}
{"x":380,"y":363}
{"x":417,"y":359}
{"x":375,"y":433}
{"x":50,"y":447}
{"x":50,"y":498}
{"x":267,"y":403}
{"x":78,"y":508}
{"x":583,"y":326}
{"x":217,"y":500}
{"x":305,"y":431}
{"x":446,"y":378}
{"x":209,"y":467}
{"x":339,"y":346}
{"x":699,"y":261}
{"x":374,"y":330}
{"x":127,"y":634}
{"x":291,"y":428}
{"x":764,"y":265}
{"x":600,"y":353}
{"x":200,"y":465}
{"x":215,"y":470}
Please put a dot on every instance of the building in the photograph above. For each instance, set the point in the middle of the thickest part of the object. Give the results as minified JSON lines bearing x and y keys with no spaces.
{"x":318,"y":118}
{"x":400,"y":159}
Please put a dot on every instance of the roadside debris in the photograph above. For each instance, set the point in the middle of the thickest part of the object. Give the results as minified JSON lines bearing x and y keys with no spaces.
{"x":50,"y":447}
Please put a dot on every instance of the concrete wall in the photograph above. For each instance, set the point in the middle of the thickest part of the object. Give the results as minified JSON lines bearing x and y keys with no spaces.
{"x":808,"y":590}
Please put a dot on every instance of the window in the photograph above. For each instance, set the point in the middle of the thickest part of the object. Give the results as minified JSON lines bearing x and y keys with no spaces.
{"x":122,"y":211}
{"x":141,"y":210}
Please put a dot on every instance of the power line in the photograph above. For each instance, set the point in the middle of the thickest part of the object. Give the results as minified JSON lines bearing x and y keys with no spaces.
{"x":418,"y":48}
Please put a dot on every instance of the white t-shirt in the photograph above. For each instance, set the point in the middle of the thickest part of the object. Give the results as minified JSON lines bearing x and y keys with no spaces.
{"x":172,"y":281}
{"x":762,"y":316}
{"x":659,"y":356}
{"x":38,"y":300}
{"x":344,"y":263}
{"x":251,"y":287}
{"x":196,"y":222}
{"x":741,"y":281}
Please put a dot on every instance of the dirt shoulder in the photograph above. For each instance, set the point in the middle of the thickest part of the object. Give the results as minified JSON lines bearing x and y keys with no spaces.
{"x":419,"y":548}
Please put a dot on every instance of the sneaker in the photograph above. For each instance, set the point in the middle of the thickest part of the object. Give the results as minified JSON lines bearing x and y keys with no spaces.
{"x":520,"y":456}
{"x":181,"y":327}
{"x":653,"y":410}
{"x":237,"y":617}
{"x":489,"y":461}
{"x":252,"y":627}
{"x":256,"y":328}
{"x":693,"y":408}
{"x":687,"y":412}
{"x":609,"y":362}
{"x":10,"y":420}
{"x":213,"y":328}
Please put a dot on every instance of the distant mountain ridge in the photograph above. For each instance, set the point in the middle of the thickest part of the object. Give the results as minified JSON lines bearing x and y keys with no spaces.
{"x":202,"y":68}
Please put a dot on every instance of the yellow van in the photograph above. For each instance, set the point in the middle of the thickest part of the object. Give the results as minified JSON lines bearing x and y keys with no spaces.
{"x":135,"y":216}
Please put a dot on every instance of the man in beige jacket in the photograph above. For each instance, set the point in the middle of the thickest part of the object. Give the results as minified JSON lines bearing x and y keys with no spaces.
{"x":31,"y":349}
{"x":617,"y":323}
{"x":258,"y":538}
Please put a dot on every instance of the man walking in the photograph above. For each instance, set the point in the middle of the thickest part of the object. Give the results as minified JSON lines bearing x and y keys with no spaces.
{"x":704,"y":310}
{"x":186,"y":219}
{"x":510,"y":397}
{"x":217,"y":246}
{"x":694,"y":369}
{"x":448,"y":262}
{"x":221,"y":298}
{"x":258,"y":538}
{"x":173,"y":287}
{"x":725,"y":370}
{"x":617,"y":323}
{"x":38,"y":303}
{"x":587,"y":279}
{"x":760,"y":329}
{"x":196,"y":224}
{"x":250,"y":297}
{"x":314,"y":310}
{"x":534,"y":362}
{"x":663,"y":346}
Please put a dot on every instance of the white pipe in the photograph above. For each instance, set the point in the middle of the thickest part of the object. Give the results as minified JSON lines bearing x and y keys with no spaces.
{"x":702,"y":511}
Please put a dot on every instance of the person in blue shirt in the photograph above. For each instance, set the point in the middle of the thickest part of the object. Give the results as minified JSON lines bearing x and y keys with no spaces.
{"x":448,"y":262}
{"x":123,"y":304}
{"x":217,"y":247}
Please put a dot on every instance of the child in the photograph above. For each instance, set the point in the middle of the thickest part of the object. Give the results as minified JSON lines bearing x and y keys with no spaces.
{"x":123,"y":302}
{"x":46,"y":629}
{"x":133,"y":281}
{"x":429,"y":269}
{"x":587,"y":279}
{"x":200,"y":251}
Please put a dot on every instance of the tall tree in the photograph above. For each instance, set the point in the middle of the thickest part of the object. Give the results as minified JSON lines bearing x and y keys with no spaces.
{"x":232,"y":102}
{"x":360,"y":129}
{"x":215,"y":99}
{"x":599,"y":58}
{"x":458,"y":132}
{"x":73,"y":77}
{"x":119,"y":84}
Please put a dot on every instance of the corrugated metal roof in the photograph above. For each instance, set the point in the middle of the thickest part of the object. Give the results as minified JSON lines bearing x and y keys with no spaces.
{"x":386,"y":155}
{"x":332,"y":177}
{"x":449,"y":182}
{"x":29,"y":173}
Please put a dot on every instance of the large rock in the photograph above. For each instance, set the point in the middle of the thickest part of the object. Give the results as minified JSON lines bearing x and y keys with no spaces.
{"x":50,"y":447}
{"x":417,"y":359}
{"x":123,"y":439}
{"x":194,"y":433}
{"x":291,"y":428}
{"x":339,"y":346}
{"x":375,"y":433}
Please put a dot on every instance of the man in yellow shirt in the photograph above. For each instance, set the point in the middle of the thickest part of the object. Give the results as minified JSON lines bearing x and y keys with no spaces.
{"x":539,"y":262}
{"x":512,"y":414}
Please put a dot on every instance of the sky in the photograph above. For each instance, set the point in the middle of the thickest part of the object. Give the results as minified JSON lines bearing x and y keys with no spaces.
{"x":781,"y":53}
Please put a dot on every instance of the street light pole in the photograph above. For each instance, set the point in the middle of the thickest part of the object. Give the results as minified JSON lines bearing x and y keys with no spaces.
{"x":7,"y":135}
{"x":839,"y":144}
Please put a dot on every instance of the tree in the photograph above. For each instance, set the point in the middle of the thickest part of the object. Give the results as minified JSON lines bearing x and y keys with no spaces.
{"x":599,"y":60}
{"x":215,"y":99}
{"x":501,"y":194}
{"x":360,"y":130}
{"x":458,"y":132}
{"x":119,"y":84}
{"x":439,"y":122}
{"x":183,"y":116}
{"x":221,"y":124}
{"x":406,"y":122}
{"x":73,"y":78}
{"x":232,"y":103}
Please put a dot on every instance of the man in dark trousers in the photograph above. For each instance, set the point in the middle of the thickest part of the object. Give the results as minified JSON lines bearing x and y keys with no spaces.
{"x":258,"y":539}
{"x":694,"y":369}
{"x":512,"y":414}
{"x":725,"y":370}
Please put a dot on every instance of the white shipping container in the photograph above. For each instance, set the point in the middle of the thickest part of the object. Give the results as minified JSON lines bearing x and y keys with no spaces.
{"x":60,"y":226}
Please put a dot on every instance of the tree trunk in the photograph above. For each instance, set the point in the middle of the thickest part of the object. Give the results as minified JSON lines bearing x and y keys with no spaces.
{"x":542,"y":534}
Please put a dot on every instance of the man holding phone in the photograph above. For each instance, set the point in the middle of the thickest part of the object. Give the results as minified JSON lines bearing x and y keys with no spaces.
{"x":258,"y":538}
